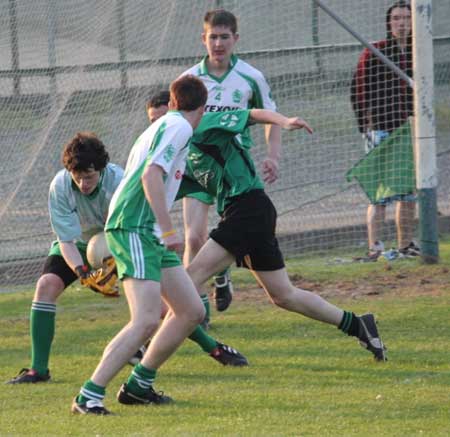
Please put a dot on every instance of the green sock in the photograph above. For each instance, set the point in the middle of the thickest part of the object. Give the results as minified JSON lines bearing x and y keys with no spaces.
{"x":349,"y":324}
{"x":205,"y":300}
{"x":199,"y":336}
{"x":91,"y":392}
{"x":42,"y":330}
{"x":141,"y":379}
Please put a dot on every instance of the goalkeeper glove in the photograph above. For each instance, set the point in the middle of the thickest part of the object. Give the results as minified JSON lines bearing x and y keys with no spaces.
{"x":103,"y":280}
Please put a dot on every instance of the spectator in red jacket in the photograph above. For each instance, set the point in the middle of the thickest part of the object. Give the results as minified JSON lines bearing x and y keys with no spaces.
{"x":382,"y":102}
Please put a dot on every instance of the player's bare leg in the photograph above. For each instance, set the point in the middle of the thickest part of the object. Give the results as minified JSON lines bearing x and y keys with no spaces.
{"x":211,"y":259}
{"x":186,"y":312}
{"x":285,"y":295}
{"x":195,"y":217}
{"x":282,"y":293}
{"x":376,"y":216}
{"x":48,"y":288}
{"x":144,"y":301}
{"x":222,"y":353}
{"x":404,"y":220}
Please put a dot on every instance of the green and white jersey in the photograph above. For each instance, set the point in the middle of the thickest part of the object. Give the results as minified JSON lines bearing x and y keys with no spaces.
{"x":164,"y":143}
{"x":220,"y":163}
{"x":242,"y":87}
{"x":75,"y":216}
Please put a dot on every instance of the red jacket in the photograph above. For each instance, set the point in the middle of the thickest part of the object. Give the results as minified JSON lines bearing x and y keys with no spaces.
{"x":380,"y":99}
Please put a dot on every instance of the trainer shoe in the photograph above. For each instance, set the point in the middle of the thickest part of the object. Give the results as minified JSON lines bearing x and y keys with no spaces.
{"x":369,"y":337}
{"x":124,"y":396}
{"x":223,"y":293}
{"x":137,"y":357}
{"x":410,"y":251}
{"x":228,"y":356}
{"x":375,"y":251}
{"x":29,"y":376}
{"x":90,"y":407}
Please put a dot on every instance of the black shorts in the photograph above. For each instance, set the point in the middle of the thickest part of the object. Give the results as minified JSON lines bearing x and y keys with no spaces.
{"x":57,"y":265}
{"x":247,"y":230}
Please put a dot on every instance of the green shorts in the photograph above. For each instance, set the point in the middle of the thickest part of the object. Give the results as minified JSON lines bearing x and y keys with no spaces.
{"x":202,"y":197}
{"x":190,"y":188}
{"x":55,"y":249}
{"x":139,"y":256}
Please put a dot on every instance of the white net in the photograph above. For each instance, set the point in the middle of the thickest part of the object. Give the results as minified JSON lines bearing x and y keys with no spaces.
{"x":68,"y":66}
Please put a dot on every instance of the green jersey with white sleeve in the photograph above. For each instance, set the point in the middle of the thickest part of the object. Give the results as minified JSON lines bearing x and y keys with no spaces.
{"x":220,"y":163}
{"x":164,"y":143}
{"x":74,"y":216}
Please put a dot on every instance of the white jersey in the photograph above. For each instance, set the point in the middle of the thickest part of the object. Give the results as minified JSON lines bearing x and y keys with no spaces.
{"x":242,"y":87}
{"x":164,"y":143}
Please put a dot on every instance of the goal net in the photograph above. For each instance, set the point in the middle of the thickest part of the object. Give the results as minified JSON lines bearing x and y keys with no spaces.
{"x":68,"y":66}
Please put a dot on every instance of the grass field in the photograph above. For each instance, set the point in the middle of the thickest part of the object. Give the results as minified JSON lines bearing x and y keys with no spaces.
{"x":304,"y":378}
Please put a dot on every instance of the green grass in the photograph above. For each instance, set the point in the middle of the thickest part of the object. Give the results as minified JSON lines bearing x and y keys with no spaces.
{"x":305,"y":378}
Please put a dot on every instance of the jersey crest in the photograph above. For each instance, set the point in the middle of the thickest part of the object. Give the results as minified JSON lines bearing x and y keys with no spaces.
{"x":237,"y":96}
{"x":229,"y":120}
{"x":169,"y":153}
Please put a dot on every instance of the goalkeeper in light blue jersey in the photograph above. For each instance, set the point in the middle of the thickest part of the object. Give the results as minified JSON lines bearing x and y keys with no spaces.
{"x":78,"y":204}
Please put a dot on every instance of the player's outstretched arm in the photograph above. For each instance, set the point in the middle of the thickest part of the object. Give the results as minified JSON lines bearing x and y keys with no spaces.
{"x":270,"y":163}
{"x":288,"y":123}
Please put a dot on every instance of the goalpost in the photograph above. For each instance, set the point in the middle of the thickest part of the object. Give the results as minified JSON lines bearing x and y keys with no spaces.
{"x":72,"y":65}
{"x":425,"y":134}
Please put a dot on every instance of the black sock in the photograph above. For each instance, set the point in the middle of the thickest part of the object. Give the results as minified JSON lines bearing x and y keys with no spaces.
{"x":349,"y":324}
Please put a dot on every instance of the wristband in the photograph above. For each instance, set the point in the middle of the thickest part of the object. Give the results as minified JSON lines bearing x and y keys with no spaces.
{"x":168,"y":233}
{"x":82,"y":271}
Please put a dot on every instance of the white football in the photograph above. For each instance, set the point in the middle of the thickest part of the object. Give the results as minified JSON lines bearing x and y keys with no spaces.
{"x":97,"y":250}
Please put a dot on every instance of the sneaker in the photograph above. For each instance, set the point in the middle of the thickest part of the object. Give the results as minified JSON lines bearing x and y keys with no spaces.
{"x":124,"y":396}
{"x":369,"y":337}
{"x":228,"y":356}
{"x":137,"y":357}
{"x":223,"y":293}
{"x":410,"y":251}
{"x":375,"y":251}
{"x":90,"y":407}
{"x":29,"y":376}
{"x":373,"y":255}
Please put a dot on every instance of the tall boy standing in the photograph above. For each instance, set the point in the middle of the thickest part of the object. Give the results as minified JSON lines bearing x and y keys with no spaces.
{"x":231,"y":84}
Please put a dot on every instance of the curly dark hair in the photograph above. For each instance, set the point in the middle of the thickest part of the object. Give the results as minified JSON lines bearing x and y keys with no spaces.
{"x":85,"y":152}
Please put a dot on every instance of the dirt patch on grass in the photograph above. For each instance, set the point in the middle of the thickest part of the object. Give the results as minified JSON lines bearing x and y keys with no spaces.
{"x":387,"y":281}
